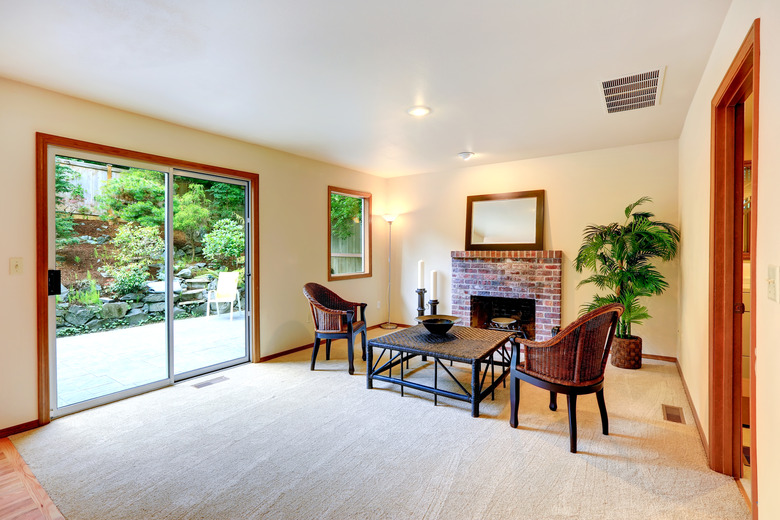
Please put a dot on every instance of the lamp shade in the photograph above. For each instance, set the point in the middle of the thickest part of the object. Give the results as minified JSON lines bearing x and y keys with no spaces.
{"x":389,"y":218}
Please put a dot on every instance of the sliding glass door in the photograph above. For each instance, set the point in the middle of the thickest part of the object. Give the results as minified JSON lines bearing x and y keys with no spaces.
{"x":209,"y":268}
{"x":153,"y":265}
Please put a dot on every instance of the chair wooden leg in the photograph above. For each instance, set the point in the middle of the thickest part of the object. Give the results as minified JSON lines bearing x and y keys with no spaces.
{"x":514,"y":397}
{"x":350,"y":354}
{"x":572,"y":399}
{"x":603,"y":410}
{"x":327,"y":350}
{"x":363,"y":342}
{"x":314,"y":352}
{"x":553,"y":401}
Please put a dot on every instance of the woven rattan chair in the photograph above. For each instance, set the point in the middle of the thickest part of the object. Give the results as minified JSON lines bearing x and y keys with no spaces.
{"x":335,"y":318}
{"x":570,"y":363}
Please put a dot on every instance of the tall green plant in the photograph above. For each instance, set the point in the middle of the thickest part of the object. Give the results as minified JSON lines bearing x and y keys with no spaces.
{"x":192,"y":215}
{"x":621,"y":257}
{"x":136,"y":196}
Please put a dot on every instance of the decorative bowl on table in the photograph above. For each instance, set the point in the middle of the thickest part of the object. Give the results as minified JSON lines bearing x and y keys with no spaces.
{"x":438,"y":324}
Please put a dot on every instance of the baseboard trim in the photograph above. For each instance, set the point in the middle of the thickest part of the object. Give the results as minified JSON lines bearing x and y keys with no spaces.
{"x":703,"y":438}
{"x":19,"y":428}
{"x":263,"y":359}
{"x":744,"y":493}
{"x":670,"y":359}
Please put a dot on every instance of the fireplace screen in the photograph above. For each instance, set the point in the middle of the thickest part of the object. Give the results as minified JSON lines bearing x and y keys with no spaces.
{"x":490,"y":312}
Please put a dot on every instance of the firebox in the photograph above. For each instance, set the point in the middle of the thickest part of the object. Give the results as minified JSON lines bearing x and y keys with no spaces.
{"x":485,"y":309}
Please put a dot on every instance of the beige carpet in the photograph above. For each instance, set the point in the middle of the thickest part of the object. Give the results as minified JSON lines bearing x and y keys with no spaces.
{"x":278,"y":441}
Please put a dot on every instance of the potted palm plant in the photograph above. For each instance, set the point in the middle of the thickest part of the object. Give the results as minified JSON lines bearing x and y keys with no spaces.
{"x":620,"y":256}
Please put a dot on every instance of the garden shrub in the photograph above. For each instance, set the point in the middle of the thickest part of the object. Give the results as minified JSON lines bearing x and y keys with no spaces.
{"x":224,"y":244}
{"x":87,"y":296}
{"x":135,"y":196}
{"x":130,"y":278}
{"x":139,"y":245}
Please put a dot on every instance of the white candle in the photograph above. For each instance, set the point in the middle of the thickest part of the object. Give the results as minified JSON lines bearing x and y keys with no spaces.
{"x":421,"y":275}
{"x":434,"y":274}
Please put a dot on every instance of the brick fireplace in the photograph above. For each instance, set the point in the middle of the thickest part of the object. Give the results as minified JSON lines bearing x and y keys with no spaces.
{"x":532,"y":275}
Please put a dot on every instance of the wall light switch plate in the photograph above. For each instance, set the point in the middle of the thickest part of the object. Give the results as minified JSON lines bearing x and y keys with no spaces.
{"x":15,"y":265}
{"x":771,"y":283}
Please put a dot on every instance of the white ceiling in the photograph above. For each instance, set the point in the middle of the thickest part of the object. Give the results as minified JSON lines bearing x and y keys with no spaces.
{"x":332,"y":79}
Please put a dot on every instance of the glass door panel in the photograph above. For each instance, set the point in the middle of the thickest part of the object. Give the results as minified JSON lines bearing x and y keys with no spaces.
{"x":110,"y":335}
{"x":209,"y":275}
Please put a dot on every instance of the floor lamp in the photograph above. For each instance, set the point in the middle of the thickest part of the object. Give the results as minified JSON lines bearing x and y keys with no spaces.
{"x":389,"y":219}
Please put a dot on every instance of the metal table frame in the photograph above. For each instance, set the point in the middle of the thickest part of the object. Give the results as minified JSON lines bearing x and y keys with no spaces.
{"x":447,"y":348}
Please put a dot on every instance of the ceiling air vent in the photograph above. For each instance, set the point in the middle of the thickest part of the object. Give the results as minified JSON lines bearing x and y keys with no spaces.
{"x":632,"y":92}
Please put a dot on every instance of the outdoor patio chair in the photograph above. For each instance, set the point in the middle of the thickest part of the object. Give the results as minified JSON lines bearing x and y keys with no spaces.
{"x":335,"y":318}
{"x":227,"y":291}
{"x":571,"y":363}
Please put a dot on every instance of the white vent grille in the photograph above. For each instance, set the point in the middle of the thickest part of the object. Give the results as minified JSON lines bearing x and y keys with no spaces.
{"x":632,"y":92}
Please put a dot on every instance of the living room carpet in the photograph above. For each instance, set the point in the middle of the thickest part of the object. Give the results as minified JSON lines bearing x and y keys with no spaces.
{"x":275,"y":440}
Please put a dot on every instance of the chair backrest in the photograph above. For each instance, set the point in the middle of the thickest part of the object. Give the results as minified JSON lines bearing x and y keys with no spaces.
{"x":227,"y":284}
{"x":321,"y":299}
{"x":578,"y":354}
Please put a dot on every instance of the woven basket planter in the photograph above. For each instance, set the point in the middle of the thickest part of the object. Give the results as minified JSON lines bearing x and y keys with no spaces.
{"x":627,"y":352}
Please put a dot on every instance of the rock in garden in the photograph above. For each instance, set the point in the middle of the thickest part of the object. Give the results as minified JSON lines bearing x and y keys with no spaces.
{"x":185,"y":273}
{"x":97,"y":324}
{"x":178,"y":311}
{"x":155,"y":297}
{"x":135,"y":317}
{"x":78,"y":315}
{"x":130,"y":297}
{"x":157,"y":307}
{"x":115,"y":310}
{"x":193,"y":294}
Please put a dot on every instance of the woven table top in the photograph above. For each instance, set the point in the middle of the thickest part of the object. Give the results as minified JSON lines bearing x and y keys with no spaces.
{"x":465,"y":344}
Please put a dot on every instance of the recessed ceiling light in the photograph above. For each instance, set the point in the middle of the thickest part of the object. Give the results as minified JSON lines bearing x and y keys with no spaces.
{"x":466,"y":155}
{"x":419,"y":111}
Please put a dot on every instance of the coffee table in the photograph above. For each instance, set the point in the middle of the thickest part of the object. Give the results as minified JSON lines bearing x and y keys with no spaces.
{"x":476,"y":347}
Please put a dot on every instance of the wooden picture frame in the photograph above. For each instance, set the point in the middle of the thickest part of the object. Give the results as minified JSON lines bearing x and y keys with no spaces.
{"x":505,"y":221}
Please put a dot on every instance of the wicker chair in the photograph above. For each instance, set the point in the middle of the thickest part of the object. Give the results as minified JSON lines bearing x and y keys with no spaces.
{"x":570,"y":363}
{"x":335,"y":318}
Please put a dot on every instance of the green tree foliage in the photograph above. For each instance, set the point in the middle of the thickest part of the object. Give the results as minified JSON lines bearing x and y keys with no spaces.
{"x":224,"y":244}
{"x":64,"y":186}
{"x":138,"y":247}
{"x":139,"y":244}
{"x":344,"y":212}
{"x":192,"y":215}
{"x":228,"y":200}
{"x":136,"y":196}
{"x":621,"y":257}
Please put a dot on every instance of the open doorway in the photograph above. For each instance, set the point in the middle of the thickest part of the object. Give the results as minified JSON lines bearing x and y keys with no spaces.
{"x":733,"y":201}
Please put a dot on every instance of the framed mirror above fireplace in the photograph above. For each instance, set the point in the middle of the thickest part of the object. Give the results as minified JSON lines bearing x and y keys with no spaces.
{"x":505,"y":221}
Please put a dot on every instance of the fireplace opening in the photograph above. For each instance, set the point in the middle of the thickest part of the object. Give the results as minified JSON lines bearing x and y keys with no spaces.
{"x":493,"y":312}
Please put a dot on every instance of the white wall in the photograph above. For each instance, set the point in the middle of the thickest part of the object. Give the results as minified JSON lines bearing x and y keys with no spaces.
{"x":293,"y":225}
{"x":694,"y":216}
{"x":581,"y":188}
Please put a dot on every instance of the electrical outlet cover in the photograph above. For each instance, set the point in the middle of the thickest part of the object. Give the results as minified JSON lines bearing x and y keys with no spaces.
{"x":771,"y":283}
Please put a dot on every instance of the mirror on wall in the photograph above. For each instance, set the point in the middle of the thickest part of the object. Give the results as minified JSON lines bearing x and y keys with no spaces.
{"x":505,"y":221}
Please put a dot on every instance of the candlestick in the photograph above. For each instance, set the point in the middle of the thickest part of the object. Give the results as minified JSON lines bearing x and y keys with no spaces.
{"x":434,"y":277}
{"x":420,"y":301}
{"x":421,"y":275}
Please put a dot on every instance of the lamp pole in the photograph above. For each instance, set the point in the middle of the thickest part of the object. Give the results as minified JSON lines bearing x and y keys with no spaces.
{"x":389,"y":219}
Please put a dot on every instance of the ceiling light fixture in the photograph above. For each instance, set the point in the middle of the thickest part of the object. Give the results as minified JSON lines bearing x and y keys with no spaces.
{"x":419,"y":111}
{"x":466,"y":155}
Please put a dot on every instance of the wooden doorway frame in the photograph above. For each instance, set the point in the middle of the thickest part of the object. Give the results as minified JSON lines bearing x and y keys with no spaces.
{"x":42,"y":144}
{"x":725,"y":368}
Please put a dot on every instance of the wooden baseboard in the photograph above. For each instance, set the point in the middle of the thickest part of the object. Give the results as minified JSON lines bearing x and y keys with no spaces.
{"x":744,"y":493}
{"x":669,"y":359}
{"x":702,"y":436}
{"x":310,"y":345}
{"x":19,"y":428}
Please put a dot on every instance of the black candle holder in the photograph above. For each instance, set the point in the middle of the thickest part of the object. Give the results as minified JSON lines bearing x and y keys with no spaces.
{"x":420,"y":301}
{"x":434,"y":306}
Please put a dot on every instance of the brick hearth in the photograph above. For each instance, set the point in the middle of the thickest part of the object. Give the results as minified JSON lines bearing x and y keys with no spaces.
{"x":509,"y":274}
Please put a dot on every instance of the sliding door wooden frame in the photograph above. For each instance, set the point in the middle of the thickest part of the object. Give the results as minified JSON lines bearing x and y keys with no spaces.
{"x":725,"y":376}
{"x":42,"y":144}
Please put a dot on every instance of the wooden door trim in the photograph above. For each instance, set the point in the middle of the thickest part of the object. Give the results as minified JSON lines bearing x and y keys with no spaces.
{"x":42,"y":143}
{"x":741,"y":79}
